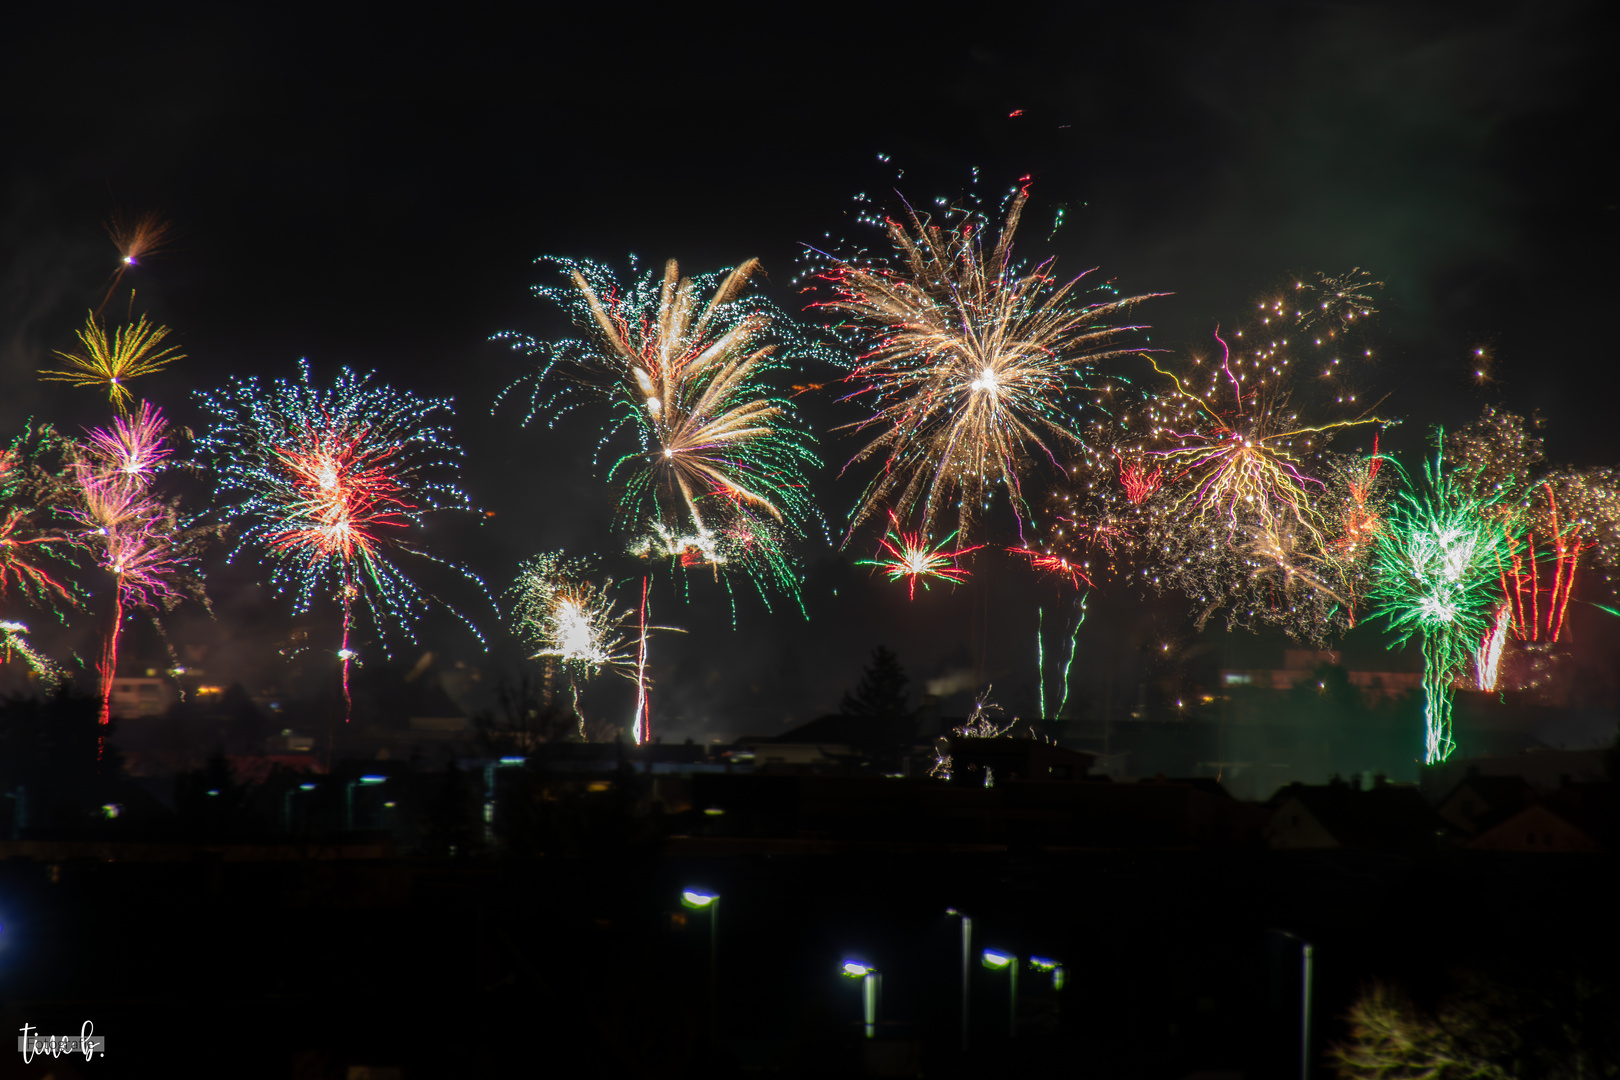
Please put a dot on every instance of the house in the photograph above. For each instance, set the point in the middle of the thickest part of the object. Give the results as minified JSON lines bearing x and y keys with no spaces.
{"x":1342,"y":815}
{"x":1536,"y":828}
{"x":1543,"y":768}
{"x":1299,"y":667}
{"x":142,"y":697}
{"x":1481,"y":802}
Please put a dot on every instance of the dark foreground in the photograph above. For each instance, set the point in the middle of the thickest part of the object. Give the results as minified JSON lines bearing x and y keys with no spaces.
{"x":311,"y":968}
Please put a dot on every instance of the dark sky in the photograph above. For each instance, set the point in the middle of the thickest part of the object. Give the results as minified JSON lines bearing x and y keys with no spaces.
{"x":372,"y":189}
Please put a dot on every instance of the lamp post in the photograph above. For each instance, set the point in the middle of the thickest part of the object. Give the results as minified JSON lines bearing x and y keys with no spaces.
{"x":871,"y":986}
{"x":996,"y":960}
{"x":699,"y":899}
{"x":967,"y":965}
{"x":1307,"y":964}
{"x":1041,"y":963}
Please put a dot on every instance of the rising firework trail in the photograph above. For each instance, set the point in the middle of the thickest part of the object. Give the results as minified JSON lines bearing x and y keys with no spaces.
{"x":329,"y":484}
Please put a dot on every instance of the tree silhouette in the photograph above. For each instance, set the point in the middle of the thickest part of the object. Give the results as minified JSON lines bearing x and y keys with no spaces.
{"x":881,"y":694}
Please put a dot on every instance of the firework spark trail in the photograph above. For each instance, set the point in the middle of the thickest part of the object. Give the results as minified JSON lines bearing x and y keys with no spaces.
{"x":912,"y":557}
{"x":1488,"y":656}
{"x":718,"y":454}
{"x":1437,"y":565}
{"x":1040,"y":658}
{"x":328,"y":483}
{"x":970,"y":365}
{"x":112,"y":359}
{"x":13,"y":639}
{"x":1052,"y":563}
{"x":979,"y":725}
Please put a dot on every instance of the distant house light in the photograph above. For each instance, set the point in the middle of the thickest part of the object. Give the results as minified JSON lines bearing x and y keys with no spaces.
{"x":1238,"y":678}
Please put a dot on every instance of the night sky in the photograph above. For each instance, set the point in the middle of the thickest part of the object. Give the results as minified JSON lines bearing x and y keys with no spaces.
{"x":372,"y":191}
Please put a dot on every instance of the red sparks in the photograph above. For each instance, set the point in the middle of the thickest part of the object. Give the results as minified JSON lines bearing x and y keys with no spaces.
{"x":1137,"y":481}
{"x":1054,"y":564}
{"x":16,"y":569}
{"x":341,"y":497}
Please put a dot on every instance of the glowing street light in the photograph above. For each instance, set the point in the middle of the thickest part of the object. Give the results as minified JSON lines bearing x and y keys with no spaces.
{"x":996,"y":960}
{"x":698,"y":900}
{"x":871,"y":986}
{"x":1041,"y":963}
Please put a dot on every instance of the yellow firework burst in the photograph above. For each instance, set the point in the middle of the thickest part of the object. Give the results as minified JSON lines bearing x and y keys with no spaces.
{"x":112,"y":358}
{"x":970,"y":365}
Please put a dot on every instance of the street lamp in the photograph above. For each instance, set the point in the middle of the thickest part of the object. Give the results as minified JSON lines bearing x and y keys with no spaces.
{"x":996,"y":960}
{"x":1041,"y":963}
{"x":967,"y":965}
{"x":1307,"y":962}
{"x":871,"y":986}
{"x":698,"y":899}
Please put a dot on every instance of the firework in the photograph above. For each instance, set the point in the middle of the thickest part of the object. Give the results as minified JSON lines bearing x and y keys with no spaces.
{"x":1040,"y":656}
{"x":133,"y":533}
{"x":328,"y":485}
{"x":1563,"y":514}
{"x":36,"y":492}
{"x":13,"y":639}
{"x":138,"y":537}
{"x":112,"y":359}
{"x":135,"y":240}
{"x":717,"y":454}
{"x":1488,"y":654}
{"x":1237,"y":451}
{"x":912,"y":557}
{"x":979,"y":725}
{"x":1220,"y":485}
{"x":1438,"y":567}
{"x":1049,"y":562}
{"x":566,"y":617}
{"x":972,"y":367}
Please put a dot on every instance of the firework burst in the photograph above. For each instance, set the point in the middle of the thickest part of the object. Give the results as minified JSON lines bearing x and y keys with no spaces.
{"x":1438,"y":568}
{"x":567,"y":618}
{"x":1220,"y":487}
{"x":329,"y":483}
{"x":112,"y":359}
{"x":718,"y":457}
{"x":972,"y":367}
{"x":911,"y":557}
{"x":37,"y":491}
{"x":137,"y":536}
